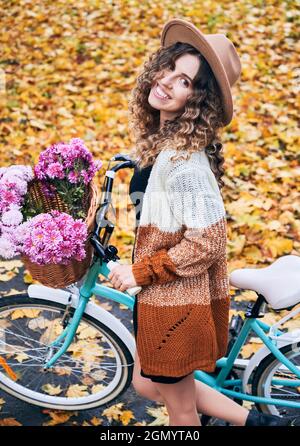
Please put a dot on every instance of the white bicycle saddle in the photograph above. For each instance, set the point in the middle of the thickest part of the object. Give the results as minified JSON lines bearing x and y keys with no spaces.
{"x":279,"y":282}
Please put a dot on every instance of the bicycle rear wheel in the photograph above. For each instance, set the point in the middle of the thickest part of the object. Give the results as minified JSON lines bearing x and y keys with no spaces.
{"x":264,"y":382}
{"x":95,"y":369}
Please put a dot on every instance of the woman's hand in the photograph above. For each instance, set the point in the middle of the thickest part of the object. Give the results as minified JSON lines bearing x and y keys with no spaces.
{"x":122,"y":277}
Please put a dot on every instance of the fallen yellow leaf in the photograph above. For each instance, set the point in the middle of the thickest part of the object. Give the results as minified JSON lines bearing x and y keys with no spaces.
{"x":97,"y":388}
{"x":96,"y":421}
{"x":7,"y":276}
{"x":58,"y":417}
{"x":160,"y":414}
{"x":126,"y":416}
{"x":29,"y":313}
{"x":249,"y":349}
{"x":76,"y":391}
{"x":52,"y":390}
{"x":20,"y":357}
{"x":9,"y":422}
{"x":114,"y":412}
{"x":11,"y":264}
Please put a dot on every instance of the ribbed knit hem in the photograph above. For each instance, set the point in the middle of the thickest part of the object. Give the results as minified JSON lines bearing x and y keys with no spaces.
{"x":175,"y":370}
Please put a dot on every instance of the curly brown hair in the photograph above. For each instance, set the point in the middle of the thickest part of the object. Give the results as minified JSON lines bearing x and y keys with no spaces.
{"x":195,"y":129}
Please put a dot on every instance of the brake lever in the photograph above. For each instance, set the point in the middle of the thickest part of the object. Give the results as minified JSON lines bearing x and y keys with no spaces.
{"x":97,"y":245}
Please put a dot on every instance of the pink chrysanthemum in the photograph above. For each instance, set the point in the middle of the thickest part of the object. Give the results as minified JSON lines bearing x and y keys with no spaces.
{"x":54,"y":237}
{"x":58,"y":162}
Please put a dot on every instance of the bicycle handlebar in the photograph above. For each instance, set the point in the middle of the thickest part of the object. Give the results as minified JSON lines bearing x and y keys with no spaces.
{"x":101,"y":221}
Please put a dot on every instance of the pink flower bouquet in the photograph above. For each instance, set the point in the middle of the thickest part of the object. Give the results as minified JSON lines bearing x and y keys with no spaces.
{"x":26,"y":228}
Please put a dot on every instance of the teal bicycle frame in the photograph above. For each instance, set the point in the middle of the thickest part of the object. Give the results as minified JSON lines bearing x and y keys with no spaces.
{"x":225,"y":364}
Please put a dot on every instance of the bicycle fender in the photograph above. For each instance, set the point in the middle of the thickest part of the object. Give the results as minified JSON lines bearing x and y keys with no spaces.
{"x":285,"y":339}
{"x":63,"y":297}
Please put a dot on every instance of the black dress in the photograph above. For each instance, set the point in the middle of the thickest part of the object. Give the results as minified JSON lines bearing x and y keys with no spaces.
{"x":138,"y":183}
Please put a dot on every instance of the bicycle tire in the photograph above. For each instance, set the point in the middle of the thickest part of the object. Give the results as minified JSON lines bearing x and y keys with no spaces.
{"x":21,"y":300}
{"x":260,"y":377}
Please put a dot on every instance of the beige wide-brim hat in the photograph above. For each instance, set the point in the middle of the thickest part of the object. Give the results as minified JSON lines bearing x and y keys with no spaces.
{"x":218,"y":51}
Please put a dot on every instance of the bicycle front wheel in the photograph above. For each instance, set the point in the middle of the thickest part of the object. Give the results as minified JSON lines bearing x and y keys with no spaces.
{"x":96,"y":368}
{"x":273,"y":380}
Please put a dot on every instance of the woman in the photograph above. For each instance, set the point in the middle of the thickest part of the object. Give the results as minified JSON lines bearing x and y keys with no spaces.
{"x":181,"y":100}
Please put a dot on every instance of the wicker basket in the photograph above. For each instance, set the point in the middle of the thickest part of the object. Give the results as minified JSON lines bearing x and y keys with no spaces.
{"x":56,"y":275}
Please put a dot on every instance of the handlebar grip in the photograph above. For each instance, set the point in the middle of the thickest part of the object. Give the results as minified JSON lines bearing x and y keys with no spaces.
{"x":131,"y":291}
{"x":121,"y":157}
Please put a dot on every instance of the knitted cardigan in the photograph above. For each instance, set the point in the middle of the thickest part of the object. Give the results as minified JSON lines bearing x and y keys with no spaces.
{"x":180,"y":262}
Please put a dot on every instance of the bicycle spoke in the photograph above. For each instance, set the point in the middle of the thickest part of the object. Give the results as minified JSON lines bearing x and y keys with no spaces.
{"x":88,"y":362}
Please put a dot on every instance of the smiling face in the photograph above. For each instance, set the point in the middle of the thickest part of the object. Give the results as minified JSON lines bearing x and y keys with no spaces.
{"x":176,"y":84}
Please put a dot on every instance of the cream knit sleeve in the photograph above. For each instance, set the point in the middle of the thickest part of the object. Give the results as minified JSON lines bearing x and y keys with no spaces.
{"x":196,"y":205}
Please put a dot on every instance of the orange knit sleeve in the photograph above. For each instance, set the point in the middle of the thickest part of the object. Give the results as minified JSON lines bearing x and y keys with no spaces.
{"x":157,"y":268}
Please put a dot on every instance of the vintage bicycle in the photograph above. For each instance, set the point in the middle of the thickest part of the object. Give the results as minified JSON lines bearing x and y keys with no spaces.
{"x":58,"y":349}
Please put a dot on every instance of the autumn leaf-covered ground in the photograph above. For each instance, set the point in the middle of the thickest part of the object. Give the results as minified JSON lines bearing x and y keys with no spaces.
{"x":67,"y":70}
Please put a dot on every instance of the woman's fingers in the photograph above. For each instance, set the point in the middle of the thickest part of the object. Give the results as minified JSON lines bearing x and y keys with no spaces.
{"x":116,"y":283}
